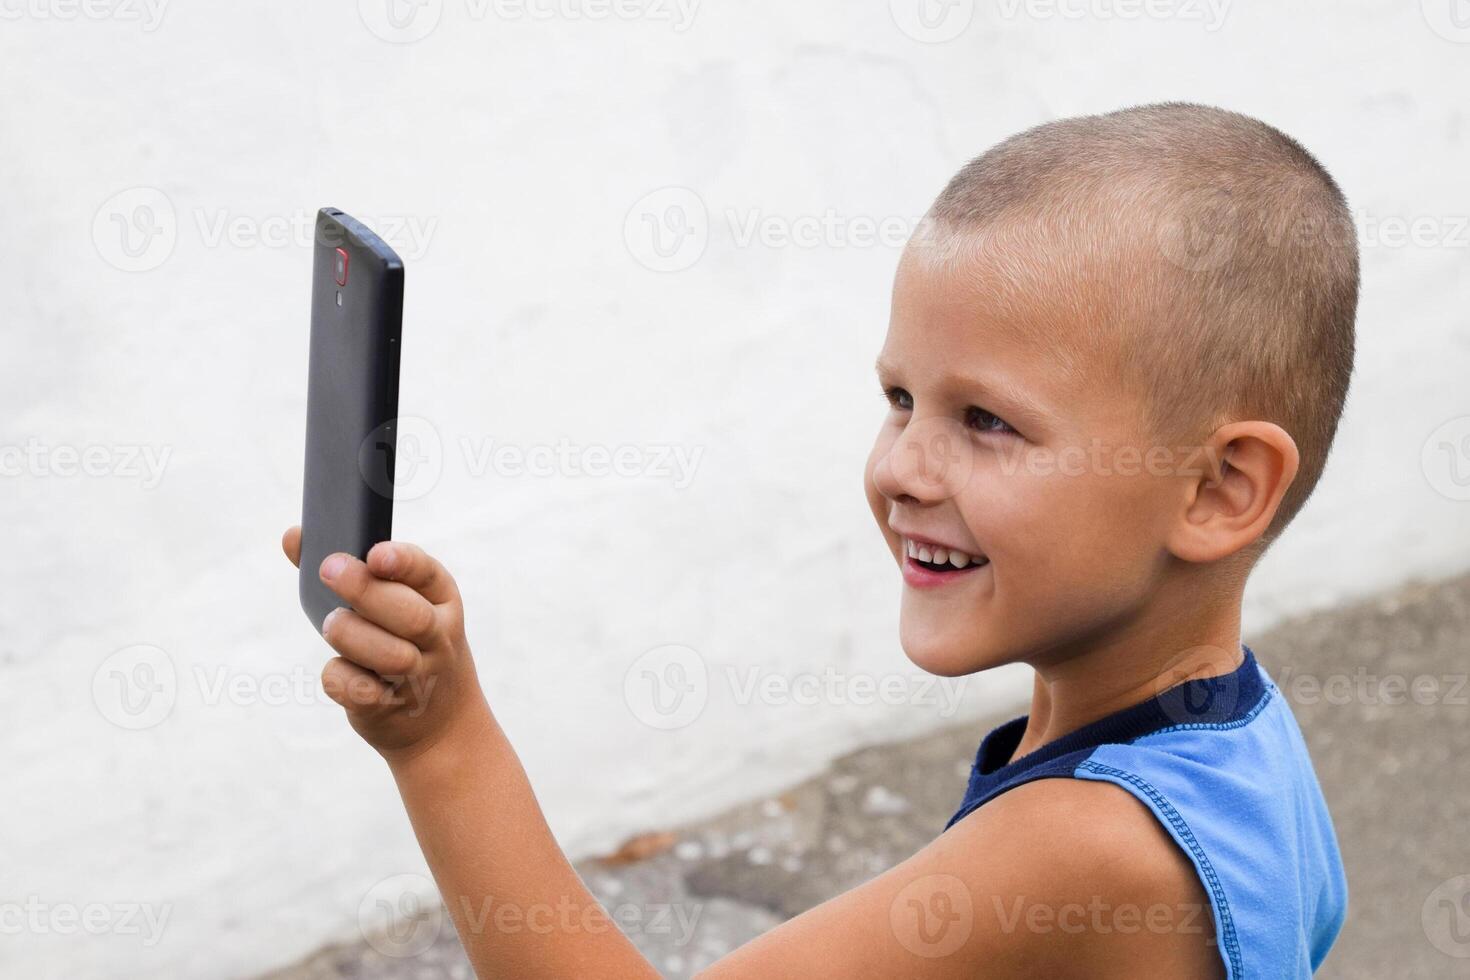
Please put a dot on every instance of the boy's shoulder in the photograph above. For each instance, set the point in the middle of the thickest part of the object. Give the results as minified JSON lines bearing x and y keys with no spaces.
{"x":1209,"y":783}
{"x":1074,"y":871}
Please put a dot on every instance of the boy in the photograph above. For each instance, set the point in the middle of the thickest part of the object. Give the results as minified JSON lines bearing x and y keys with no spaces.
{"x":1118,"y":351}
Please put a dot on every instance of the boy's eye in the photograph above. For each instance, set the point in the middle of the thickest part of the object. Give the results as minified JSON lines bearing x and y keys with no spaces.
{"x":975,"y":417}
{"x":980,"y":419}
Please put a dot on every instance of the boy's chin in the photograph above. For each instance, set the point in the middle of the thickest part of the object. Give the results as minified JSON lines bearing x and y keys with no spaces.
{"x":947,"y":653}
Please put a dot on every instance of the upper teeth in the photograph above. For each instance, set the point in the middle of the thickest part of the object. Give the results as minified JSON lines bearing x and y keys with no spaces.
{"x":937,"y":555}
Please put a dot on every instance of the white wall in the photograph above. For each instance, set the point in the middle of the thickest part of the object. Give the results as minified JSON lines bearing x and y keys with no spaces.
{"x":519,"y":151}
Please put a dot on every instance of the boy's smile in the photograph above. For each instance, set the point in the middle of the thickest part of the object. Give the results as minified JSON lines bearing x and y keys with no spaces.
{"x":1006,"y":553}
{"x":928,"y":563}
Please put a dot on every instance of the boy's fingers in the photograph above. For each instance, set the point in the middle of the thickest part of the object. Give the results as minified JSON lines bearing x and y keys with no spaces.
{"x":415,"y":568}
{"x":369,"y":645}
{"x":291,"y":544}
{"x":351,"y":686}
{"x":392,"y":605}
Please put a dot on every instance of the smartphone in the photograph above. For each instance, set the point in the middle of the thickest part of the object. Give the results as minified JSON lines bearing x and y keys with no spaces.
{"x":351,"y":400}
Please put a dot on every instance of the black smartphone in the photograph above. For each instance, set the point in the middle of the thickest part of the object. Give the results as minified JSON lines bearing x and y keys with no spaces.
{"x":351,"y":400}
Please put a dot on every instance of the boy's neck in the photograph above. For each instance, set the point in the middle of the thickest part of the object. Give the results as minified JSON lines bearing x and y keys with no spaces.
{"x":1189,"y":630}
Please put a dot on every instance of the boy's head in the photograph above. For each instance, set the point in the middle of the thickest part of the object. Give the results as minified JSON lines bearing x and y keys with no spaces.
{"x":1119,"y":349}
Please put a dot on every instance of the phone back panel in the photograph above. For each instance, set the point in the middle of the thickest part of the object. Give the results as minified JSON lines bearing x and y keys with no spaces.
{"x":351,"y":400}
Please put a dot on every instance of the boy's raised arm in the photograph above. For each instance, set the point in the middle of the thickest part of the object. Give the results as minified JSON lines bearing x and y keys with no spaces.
{"x":406,"y":678}
{"x":1051,"y":879}
{"x":490,"y":849}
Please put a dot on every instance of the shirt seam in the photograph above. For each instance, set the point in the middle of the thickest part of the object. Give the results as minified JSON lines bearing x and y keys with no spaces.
{"x":1229,"y":940}
{"x":1194,"y":726}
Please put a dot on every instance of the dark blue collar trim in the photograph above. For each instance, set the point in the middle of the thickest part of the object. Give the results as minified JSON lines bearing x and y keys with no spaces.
{"x":1209,"y":701}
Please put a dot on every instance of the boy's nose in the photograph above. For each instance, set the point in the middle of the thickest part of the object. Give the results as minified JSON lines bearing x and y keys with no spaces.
{"x":931,"y":460}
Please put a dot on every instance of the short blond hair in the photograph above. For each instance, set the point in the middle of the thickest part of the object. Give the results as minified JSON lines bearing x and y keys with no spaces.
{"x":1226,"y":253}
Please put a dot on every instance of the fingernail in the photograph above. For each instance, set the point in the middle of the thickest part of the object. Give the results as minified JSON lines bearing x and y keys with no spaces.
{"x":388,"y":559}
{"x":327,"y":622}
{"x":333,"y":566}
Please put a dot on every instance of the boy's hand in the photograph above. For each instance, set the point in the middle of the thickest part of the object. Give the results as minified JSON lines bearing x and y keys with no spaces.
{"x":404,"y":674}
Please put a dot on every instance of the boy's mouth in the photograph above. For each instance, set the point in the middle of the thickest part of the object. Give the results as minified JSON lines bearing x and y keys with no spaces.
{"x":927,"y":559}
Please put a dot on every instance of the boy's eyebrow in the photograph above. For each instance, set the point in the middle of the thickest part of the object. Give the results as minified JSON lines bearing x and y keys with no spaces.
{"x":1018,"y":406}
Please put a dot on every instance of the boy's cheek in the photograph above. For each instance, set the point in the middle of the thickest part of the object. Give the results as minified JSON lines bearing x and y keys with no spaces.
{"x":1045,"y":536}
{"x":1003,"y":508}
{"x":877,"y":502}
{"x":870,"y":484}
{"x":1039,"y":506}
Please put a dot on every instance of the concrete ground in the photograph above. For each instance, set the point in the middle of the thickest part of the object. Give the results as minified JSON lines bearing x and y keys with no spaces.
{"x":1379,"y":688}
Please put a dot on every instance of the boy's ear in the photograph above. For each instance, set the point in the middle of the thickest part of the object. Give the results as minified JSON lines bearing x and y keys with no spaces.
{"x":1247,"y":470}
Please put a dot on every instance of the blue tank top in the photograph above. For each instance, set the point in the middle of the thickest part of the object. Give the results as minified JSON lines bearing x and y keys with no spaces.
{"x":1221,"y":763}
